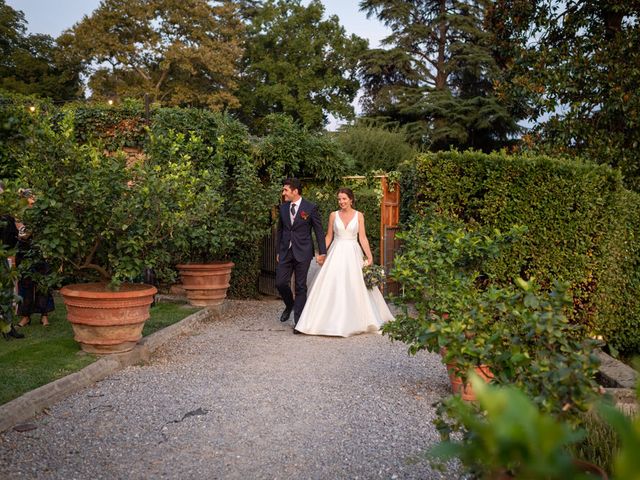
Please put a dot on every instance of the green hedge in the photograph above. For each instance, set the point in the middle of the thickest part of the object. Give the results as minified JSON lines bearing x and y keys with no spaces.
{"x":113,"y":126}
{"x":583,"y":227}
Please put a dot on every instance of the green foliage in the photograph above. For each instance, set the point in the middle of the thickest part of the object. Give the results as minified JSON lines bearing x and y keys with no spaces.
{"x":437,"y":78}
{"x":600,"y":443}
{"x":290,"y":150}
{"x":580,"y":227}
{"x":179,"y":52}
{"x":227,"y":206}
{"x":574,"y":68}
{"x":449,"y":306}
{"x":540,"y":352}
{"x":505,"y":433}
{"x":17,"y":124}
{"x":93,"y":214}
{"x":10,"y":208}
{"x":626,"y":462}
{"x":442,"y":270}
{"x":299,"y":64}
{"x":112,"y":126}
{"x":374,"y":148}
{"x":244,"y":276}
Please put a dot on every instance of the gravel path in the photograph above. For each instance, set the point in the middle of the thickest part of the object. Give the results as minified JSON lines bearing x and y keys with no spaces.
{"x":242,"y":397}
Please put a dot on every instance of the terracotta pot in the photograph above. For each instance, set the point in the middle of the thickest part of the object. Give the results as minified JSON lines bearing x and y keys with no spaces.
{"x":104,"y":321}
{"x":466,"y":390}
{"x":591,"y":468}
{"x":206,"y":284}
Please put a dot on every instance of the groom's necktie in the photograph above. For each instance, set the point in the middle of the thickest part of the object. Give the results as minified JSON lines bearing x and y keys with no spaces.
{"x":293,"y":211}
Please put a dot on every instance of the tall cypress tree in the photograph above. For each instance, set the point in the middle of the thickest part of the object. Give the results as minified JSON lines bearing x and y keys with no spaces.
{"x":437,"y":78}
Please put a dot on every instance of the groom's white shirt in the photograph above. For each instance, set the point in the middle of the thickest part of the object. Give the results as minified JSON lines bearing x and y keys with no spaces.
{"x":297,"y":204}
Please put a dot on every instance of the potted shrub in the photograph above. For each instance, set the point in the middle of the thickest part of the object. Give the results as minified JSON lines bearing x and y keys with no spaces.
{"x":227,"y":206}
{"x":539,"y":352}
{"x":444,"y":306}
{"x":99,"y":222}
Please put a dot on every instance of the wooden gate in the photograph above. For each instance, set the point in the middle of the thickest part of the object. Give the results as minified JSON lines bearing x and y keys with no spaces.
{"x":389,"y":217}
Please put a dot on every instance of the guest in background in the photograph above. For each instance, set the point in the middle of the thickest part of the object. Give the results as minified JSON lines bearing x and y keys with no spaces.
{"x":9,"y":239}
{"x":35,"y":298}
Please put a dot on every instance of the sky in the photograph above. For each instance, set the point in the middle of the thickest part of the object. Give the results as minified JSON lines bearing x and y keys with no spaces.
{"x":52,"y":17}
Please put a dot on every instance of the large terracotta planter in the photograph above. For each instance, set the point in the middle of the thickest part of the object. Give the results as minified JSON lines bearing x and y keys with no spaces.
{"x":465,"y":389}
{"x":206,"y":284}
{"x":105,"y":321}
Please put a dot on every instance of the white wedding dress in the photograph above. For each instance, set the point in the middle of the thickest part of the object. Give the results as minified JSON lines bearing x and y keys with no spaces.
{"x":339,"y":303}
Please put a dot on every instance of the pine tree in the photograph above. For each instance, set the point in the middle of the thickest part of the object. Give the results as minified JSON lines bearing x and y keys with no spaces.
{"x":437,"y":79}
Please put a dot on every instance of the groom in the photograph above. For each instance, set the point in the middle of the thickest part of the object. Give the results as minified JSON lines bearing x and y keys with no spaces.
{"x":295,"y":247}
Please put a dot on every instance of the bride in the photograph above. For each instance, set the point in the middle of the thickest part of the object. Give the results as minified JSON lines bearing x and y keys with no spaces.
{"x":339,"y":303}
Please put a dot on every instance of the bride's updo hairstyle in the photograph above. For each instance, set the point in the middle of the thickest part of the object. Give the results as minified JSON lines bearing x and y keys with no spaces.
{"x":349,"y":193}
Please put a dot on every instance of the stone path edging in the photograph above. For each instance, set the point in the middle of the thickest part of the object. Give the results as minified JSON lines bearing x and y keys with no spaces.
{"x":615,"y":373}
{"x":32,"y":403}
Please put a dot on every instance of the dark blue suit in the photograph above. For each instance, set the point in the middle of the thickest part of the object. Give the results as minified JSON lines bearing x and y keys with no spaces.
{"x":295,"y":249}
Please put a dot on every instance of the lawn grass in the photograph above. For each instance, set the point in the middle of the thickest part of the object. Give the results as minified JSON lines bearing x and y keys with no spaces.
{"x":46,"y":354}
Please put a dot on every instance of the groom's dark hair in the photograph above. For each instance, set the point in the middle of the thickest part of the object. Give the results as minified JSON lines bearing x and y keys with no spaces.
{"x":294,"y":184}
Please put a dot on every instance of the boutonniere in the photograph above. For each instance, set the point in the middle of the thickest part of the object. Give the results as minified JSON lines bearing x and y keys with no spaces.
{"x":304,"y":215}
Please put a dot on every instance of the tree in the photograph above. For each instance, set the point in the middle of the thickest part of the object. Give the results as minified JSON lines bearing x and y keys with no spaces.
{"x":577,"y":69}
{"x":34,"y":64}
{"x":437,"y":79}
{"x":298,"y":64}
{"x":179,"y":52}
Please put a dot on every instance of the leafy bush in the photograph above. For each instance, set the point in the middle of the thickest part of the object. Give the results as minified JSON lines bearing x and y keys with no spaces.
{"x":505,"y":435}
{"x":521,"y":333}
{"x":10,"y":208}
{"x":94,"y":215}
{"x":228,"y":210}
{"x":374,"y":148}
{"x":580,"y":228}
{"x":290,"y":150}
{"x":540,"y":352}
{"x":441,"y":269}
{"x":17,"y":125}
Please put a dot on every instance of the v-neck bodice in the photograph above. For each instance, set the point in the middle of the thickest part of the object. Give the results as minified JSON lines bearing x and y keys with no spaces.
{"x":346,"y":232}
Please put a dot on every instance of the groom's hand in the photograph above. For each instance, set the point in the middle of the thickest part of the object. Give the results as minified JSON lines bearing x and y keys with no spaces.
{"x":320,"y":259}
{"x":277,"y":258}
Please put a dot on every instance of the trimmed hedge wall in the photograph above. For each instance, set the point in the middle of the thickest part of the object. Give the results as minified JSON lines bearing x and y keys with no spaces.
{"x":583,"y":227}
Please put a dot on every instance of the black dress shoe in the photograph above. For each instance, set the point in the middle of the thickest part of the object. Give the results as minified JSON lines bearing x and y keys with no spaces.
{"x":296,"y":332}
{"x":285,"y":315}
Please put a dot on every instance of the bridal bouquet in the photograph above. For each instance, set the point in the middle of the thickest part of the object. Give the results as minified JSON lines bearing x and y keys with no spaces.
{"x":373,"y":275}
